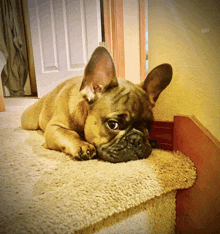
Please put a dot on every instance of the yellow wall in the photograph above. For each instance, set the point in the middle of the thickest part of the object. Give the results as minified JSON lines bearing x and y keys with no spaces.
{"x":186,"y":34}
{"x":131,"y":40}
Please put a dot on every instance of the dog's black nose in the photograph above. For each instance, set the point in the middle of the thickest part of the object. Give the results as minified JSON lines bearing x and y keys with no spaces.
{"x":135,"y":140}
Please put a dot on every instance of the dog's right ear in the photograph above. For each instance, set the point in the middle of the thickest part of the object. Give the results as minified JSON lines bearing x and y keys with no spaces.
{"x":99,"y":75}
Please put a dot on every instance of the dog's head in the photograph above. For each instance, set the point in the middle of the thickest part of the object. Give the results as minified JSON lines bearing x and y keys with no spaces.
{"x":120,"y":113}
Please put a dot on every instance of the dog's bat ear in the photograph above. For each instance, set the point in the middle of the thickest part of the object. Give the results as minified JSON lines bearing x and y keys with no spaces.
{"x":157,"y":80}
{"x":99,"y":75}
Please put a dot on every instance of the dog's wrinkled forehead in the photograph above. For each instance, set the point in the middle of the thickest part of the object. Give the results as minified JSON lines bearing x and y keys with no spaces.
{"x":131,"y":97}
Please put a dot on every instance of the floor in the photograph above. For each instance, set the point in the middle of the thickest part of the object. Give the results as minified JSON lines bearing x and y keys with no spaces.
{"x":12,"y":103}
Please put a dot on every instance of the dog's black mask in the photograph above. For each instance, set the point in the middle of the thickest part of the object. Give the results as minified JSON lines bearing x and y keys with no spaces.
{"x":131,"y":146}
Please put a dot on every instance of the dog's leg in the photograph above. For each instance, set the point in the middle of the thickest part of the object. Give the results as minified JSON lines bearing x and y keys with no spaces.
{"x":30,"y":117}
{"x":69,"y":142}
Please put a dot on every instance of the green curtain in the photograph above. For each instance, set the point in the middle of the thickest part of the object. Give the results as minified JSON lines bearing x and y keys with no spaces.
{"x":13,"y":46}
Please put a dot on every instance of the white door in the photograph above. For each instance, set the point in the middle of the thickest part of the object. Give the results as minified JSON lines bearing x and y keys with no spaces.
{"x":64,"y":35}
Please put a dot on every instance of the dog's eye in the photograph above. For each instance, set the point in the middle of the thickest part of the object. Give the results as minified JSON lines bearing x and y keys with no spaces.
{"x":113,"y":125}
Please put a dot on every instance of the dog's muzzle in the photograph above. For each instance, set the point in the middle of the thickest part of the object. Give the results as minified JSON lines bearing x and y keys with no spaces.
{"x":131,"y":146}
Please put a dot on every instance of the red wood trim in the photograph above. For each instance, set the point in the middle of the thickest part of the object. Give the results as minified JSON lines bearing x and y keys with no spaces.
{"x":142,"y":39}
{"x":32,"y":74}
{"x":163,"y":132}
{"x":114,"y":33}
{"x":108,"y":24}
{"x":2,"y":102}
{"x":198,"y":208}
{"x":118,"y":36}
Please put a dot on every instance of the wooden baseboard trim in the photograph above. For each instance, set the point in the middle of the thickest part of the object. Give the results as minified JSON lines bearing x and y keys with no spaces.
{"x":162,"y":132}
{"x":198,"y":208}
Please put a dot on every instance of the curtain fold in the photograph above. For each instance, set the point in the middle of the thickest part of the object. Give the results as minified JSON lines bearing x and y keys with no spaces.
{"x":13,"y":46}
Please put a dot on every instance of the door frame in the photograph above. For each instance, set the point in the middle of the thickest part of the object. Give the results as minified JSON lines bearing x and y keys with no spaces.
{"x":114,"y":34}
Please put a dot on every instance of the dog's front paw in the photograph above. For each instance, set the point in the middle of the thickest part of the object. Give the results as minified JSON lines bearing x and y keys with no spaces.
{"x":86,"y":151}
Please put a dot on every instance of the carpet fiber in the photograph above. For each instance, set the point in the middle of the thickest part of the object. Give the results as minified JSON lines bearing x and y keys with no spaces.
{"x":44,"y":191}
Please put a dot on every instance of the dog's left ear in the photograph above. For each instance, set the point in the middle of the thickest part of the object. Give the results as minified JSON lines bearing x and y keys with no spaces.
{"x":99,"y":75}
{"x":157,"y":80}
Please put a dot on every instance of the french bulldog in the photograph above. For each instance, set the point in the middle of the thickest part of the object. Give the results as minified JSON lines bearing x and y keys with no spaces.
{"x":98,"y":115}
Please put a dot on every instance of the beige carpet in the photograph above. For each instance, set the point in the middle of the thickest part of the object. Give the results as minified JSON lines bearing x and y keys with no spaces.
{"x":44,"y":191}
